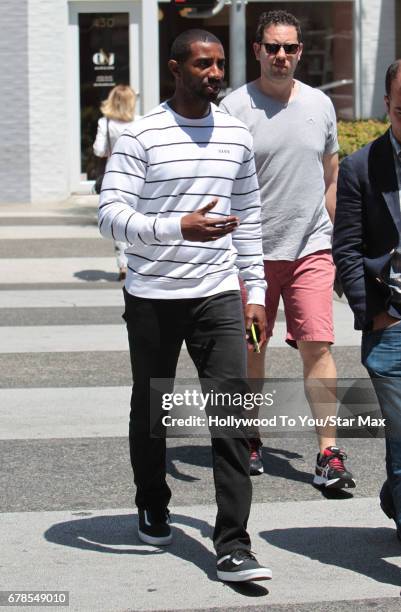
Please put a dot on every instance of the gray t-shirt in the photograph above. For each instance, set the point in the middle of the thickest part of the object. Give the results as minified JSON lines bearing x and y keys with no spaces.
{"x":290,"y":141}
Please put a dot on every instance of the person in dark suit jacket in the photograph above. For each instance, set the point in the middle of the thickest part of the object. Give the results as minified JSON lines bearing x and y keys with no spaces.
{"x":367,"y":253}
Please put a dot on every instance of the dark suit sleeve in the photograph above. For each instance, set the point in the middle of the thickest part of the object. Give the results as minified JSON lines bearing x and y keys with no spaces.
{"x":348,"y":239}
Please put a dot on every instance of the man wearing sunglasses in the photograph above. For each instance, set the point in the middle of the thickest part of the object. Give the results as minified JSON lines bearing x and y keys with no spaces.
{"x":295,"y":140}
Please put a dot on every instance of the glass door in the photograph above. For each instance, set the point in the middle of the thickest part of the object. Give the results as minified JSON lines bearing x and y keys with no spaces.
{"x":103,"y":63}
{"x":103,"y":51}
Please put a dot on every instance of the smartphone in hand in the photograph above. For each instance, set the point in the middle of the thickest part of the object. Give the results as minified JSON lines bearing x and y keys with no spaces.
{"x":253,"y":338}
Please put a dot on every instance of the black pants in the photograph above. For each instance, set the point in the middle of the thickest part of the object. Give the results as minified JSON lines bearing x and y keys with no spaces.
{"x":213,"y":330}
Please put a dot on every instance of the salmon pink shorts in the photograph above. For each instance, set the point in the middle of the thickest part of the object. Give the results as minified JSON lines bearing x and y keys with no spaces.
{"x":306,"y":287}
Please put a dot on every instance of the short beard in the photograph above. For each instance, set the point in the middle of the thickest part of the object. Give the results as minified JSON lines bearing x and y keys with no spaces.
{"x":213,"y":97}
{"x":202,"y":95}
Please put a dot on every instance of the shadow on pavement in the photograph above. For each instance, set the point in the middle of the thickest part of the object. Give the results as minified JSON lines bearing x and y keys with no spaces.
{"x":281,"y":466}
{"x":359,"y":549}
{"x":334,"y":493}
{"x":89,"y":211}
{"x":96,"y":275}
{"x":248,"y":589}
{"x":200,"y":456}
{"x":118,"y":535}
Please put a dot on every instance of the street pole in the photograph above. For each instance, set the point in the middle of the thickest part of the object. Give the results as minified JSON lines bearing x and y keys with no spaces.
{"x":237,"y":43}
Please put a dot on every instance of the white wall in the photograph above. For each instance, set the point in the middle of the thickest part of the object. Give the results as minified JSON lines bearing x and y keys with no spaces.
{"x":150,"y":55}
{"x":377,"y":53}
{"x":48,"y":108}
{"x":14,"y":103}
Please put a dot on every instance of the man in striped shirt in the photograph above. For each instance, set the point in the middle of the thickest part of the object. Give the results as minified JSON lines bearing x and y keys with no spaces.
{"x":181,"y":189}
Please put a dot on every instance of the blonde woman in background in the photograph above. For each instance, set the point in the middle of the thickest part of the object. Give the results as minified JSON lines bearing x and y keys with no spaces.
{"x":118,"y":114}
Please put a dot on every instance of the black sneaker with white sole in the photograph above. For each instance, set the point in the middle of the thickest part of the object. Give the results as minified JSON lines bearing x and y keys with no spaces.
{"x":153,"y":527}
{"x":330,"y":471}
{"x":241,"y":566}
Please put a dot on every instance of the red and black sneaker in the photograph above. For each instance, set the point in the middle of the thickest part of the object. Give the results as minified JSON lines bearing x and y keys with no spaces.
{"x":255,"y":457}
{"x":330,"y":470}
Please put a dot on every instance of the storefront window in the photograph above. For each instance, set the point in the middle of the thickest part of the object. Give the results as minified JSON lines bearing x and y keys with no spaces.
{"x":327,"y":60}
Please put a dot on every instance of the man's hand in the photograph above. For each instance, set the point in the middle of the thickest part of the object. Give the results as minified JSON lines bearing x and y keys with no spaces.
{"x":254,"y":313}
{"x":196,"y":227}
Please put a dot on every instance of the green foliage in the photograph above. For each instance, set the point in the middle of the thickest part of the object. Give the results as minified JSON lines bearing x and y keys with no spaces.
{"x":352,"y":135}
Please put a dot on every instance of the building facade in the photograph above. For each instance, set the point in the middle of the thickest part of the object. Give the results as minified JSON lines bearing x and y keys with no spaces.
{"x":61,"y":57}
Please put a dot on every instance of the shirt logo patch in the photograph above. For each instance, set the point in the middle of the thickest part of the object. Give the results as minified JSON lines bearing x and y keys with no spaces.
{"x":225,"y":151}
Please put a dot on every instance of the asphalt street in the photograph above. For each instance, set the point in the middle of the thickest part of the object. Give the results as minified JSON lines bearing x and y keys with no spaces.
{"x":68,"y":519}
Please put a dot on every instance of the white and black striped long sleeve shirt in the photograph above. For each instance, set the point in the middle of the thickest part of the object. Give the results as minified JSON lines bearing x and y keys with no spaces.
{"x":165,"y":167}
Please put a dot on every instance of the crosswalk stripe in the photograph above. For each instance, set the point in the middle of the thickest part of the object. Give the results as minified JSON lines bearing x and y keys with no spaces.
{"x":58,"y":298}
{"x":58,"y":270}
{"x":80,"y":412}
{"x":42,"y":232}
{"x":65,"y":338}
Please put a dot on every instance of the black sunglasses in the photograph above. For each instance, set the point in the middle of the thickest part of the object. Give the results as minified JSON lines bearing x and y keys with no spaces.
{"x":274,"y":48}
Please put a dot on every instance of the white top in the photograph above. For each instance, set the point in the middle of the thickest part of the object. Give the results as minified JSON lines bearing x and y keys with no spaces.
{"x":116,"y":128}
{"x":290,"y":141}
{"x":167,"y":166}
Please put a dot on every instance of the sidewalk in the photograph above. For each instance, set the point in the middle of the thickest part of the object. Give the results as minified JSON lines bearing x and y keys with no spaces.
{"x":67,"y":518}
{"x":97,"y":557}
